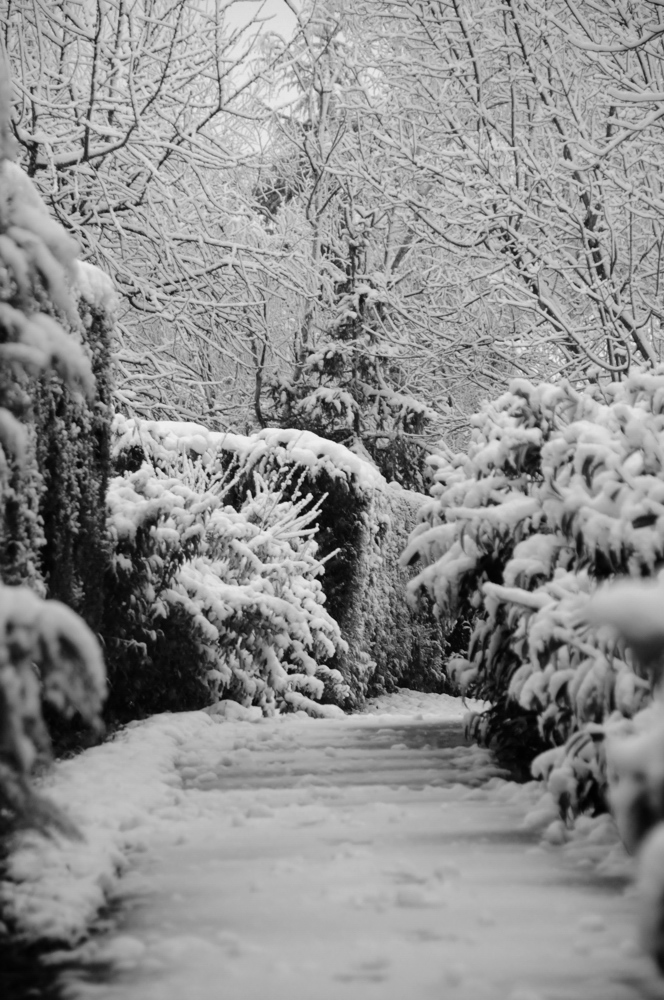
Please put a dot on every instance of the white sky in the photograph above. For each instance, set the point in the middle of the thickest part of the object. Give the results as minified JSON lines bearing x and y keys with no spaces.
{"x":276,"y":13}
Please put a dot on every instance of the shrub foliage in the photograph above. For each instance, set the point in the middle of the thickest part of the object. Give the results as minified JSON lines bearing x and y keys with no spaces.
{"x":48,"y":394}
{"x":208,"y":601}
{"x":47,"y":653}
{"x":360,"y":527}
{"x":560,"y":490}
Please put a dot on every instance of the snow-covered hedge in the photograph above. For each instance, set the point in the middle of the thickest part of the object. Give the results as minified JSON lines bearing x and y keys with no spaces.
{"x":634,"y":610}
{"x":47,"y":653}
{"x":206,"y":601}
{"x":55,"y":324}
{"x":390,"y":643}
{"x":72,"y":447}
{"x":560,"y":489}
{"x":361,"y":527}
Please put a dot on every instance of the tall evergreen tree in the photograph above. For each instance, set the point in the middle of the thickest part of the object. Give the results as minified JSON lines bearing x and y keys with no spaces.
{"x":346,"y":381}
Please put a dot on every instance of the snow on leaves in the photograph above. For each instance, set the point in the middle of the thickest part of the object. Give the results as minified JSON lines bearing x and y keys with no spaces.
{"x":560,"y":490}
{"x":241,"y":585}
{"x":37,"y":266}
{"x":161,"y":439}
{"x":46,"y":653}
{"x":362,"y":528}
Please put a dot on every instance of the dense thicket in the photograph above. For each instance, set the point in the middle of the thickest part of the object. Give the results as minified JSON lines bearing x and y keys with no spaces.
{"x":560,"y":490}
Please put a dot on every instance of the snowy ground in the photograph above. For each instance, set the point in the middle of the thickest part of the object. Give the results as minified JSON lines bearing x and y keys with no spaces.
{"x":354,"y":857}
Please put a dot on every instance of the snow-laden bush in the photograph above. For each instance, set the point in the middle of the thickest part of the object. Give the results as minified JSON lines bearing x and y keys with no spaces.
{"x":560,"y":489}
{"x":54,"y":399}
{"x":634,"y":610}
{"x":37,"y":265}
{"x":361,"y":527}
{"x":47,"y":654}
{"x":206,"y":601}
{"x":73,"y":458}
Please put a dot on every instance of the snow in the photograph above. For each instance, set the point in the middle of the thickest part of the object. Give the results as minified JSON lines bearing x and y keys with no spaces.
{"x":373,"y":855}
{"x":158,"y":438}
{"x":95,"y":287}
{"x":36,"y":251}
{"x":559,"y":490}
{"x":247,"y":581}
{"x":423,"y":706}
{"x":634,"y":608}
{"x":110,"y":792}
{"x":376,"y":620}
{"x":635,"y":762}
{"x":650,"y":888}
{"x":46,"y":652}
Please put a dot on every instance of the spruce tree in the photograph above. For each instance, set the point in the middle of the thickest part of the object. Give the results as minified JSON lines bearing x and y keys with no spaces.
{"x":347,"y":380}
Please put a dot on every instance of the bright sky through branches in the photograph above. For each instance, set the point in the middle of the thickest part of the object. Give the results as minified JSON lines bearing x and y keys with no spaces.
{"x":276,"y":14}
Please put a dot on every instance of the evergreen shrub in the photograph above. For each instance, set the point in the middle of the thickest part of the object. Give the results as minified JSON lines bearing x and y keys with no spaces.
{"x":47,"y":653}
{"x":560,"y":490}
{"x":361,"y":526}
{"x":208,"y":602}
{"x":73,"y":458}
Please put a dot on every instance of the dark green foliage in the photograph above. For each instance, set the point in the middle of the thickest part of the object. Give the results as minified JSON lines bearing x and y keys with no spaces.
{"x":512,"y":733}
{"x":52,"y":498}
{"x":361,"y":534}
{"x":423,"y":668}
{"x":73,"y":456}
{"x":339,"y":538}
{"x":404,"y":641}
{"x":21,"y":527}
{"x":341,"y":394}
{"x":339,"y":523}
{"x":129,"y":460}
{"x":161,"y":673}
{"x":151,"y":661}
{"x":54,"y":412}
{"x":52,"y":521}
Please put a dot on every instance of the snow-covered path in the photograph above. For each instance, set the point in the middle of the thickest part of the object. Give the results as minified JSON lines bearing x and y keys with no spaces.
{"x":362,"y":857}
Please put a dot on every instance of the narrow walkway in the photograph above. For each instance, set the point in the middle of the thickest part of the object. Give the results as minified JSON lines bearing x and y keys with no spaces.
{"x":364,"y":857}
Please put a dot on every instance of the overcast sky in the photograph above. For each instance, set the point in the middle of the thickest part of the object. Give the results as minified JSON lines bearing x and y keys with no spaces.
{"x":281,"y":19}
